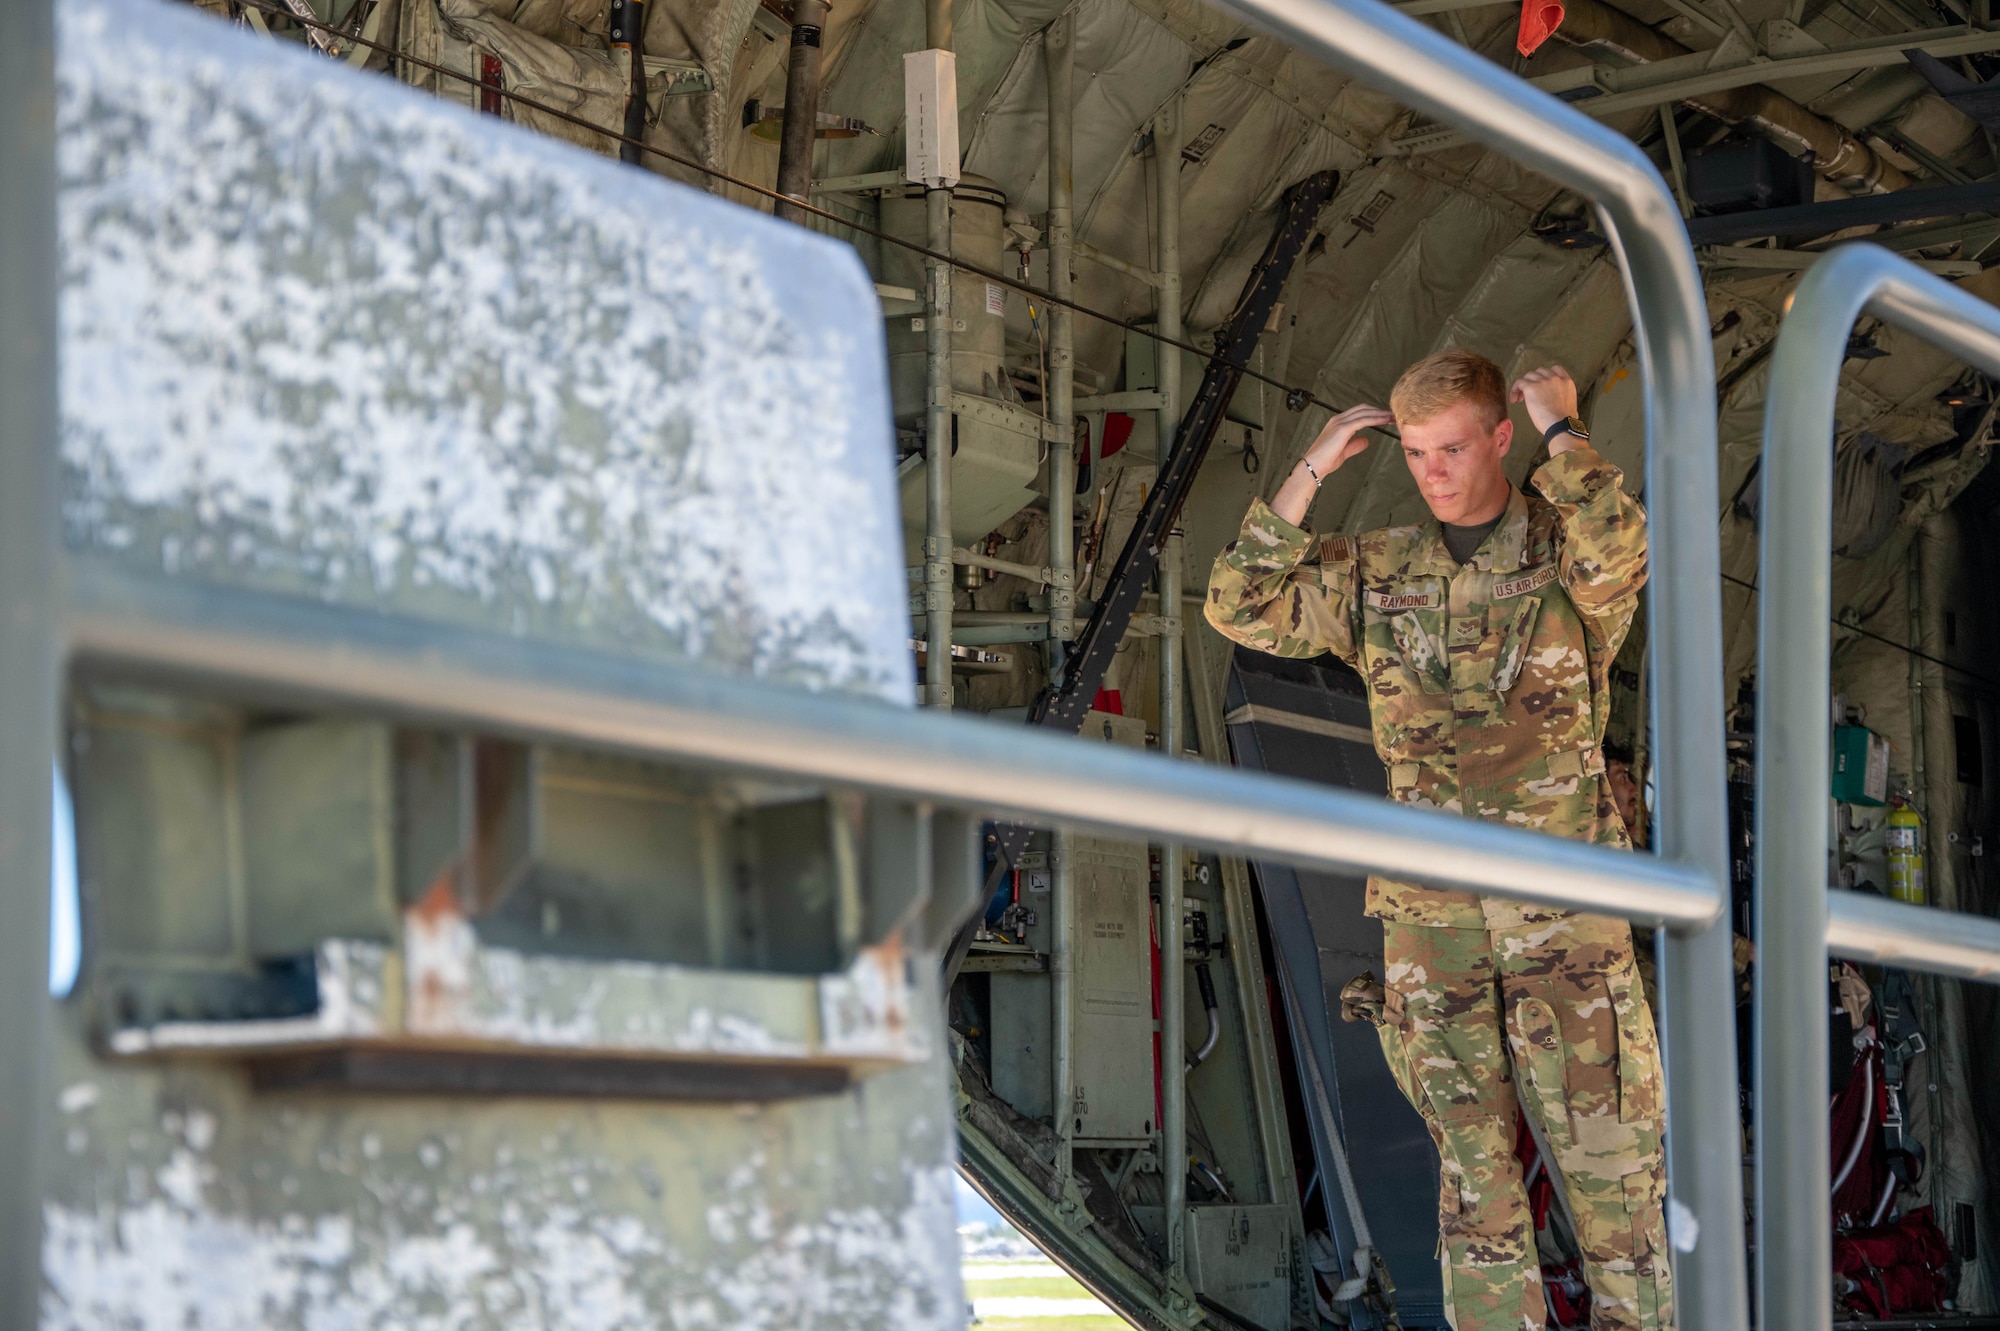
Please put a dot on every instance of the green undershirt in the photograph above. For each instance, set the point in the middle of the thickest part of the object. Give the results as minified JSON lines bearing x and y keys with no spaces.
{"x":1464,"y":542}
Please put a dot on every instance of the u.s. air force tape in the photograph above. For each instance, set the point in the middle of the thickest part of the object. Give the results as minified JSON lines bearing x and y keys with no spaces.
{"x":1527,"y":582}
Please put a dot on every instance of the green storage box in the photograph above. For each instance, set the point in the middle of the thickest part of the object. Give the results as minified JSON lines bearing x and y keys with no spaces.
{"x":1860,"y":766}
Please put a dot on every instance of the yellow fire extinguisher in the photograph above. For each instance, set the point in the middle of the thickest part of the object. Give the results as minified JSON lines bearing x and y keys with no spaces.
{"x":1905,"y":842}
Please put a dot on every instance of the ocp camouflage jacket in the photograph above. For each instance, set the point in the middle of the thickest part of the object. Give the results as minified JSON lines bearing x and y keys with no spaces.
{"x":1488,"y":684}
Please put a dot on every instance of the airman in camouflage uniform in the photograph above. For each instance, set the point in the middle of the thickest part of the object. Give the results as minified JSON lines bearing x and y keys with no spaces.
{"x":1488,"y":686}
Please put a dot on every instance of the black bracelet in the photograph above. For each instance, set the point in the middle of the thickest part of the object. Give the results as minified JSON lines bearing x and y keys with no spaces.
{"x":1567,"y":425}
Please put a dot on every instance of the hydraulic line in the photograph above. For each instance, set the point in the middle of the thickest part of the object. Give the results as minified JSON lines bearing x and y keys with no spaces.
{"x":1297,"y":398}
{"x":1867,"y":1121}
{"x":1207,"y":1171}
{"x":1882,"y":1207}
{"x":1206,"y":983}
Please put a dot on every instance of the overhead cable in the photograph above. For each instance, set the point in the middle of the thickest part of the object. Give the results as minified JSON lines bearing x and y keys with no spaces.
{"x":1295,"y":398}
{"x":1856,"y":629}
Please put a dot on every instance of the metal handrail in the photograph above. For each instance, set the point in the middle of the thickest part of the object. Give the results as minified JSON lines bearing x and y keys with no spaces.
{"x":1798,"y":920}
{"x":1444,"y":80}
{"x":28,"y":709}
{"x":1861,"y":927}
{"x":293,"y":649}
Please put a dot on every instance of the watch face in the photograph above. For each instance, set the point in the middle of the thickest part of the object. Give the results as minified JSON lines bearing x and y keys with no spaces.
{"x":1575,"y":426}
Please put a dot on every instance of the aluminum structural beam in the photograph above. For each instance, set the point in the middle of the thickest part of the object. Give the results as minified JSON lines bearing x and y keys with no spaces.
{"x":293,"y":651}
{"x":1819,"y":219}
{"x":940,"y":442}
{"x":1059,"y":58}
{"x":1428,"y":72}
{"x":1626,"y":87}
{"x":1059,"y":63}
{"x":1605,"y":89}
{"x":1792,"y":261}
{"x":1173,"y":866}
{"x":1798,"y":919}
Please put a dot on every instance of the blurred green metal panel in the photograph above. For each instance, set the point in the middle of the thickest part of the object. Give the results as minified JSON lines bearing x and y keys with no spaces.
{"x":27,"y":656}
{"x":316,"y":827}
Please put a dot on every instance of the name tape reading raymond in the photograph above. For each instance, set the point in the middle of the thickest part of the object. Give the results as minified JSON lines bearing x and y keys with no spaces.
{"x":1403,"y":600}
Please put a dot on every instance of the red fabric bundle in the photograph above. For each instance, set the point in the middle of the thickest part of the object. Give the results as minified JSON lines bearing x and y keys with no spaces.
{"x":1541,"y":1188}
{"x":1562,"y":1282}
{"x":1567,"y":1296}
{"x":1895,"y":1268}
{"x":1539,"y":20}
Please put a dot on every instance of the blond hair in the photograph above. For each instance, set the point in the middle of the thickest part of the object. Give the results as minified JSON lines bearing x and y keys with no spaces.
{"x":1444,"y":380}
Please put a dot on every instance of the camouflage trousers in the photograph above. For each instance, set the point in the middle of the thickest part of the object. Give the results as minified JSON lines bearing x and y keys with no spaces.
{"x":1548,"y":1019}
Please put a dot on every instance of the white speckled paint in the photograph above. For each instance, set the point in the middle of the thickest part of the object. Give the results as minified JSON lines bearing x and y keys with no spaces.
{"x":172,"y":1254}
{"x":324,"y":337}
{"x":327,"y":336}
{"x":183,"y":1202}
{"x":460,"y":989}
{"x":865,"y":1013}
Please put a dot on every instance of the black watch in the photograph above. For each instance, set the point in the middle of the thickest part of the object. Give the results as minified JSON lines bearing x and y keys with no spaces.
{"x":1567,"y":425}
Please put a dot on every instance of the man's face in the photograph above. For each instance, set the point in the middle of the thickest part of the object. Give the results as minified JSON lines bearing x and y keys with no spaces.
{"x":1455,"y":457}
{"x":1624,"y":790}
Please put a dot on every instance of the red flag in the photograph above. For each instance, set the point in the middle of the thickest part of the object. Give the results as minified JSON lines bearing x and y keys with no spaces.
{"x":1539,"y":20}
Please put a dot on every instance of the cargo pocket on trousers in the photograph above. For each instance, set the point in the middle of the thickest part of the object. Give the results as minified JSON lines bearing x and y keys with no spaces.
{"x":1645,"y":1207}
{"x":1535,"y":1038}
{"x":1444,"y":1268}
{"x":1638,"y":1049}
{"x":1396,"y":1051}
{"x":1451,"y":1204}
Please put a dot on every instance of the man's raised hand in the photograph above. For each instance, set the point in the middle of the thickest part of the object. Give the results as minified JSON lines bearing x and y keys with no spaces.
{"x":1341,"y":438}
{"x":1549,"y":394}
